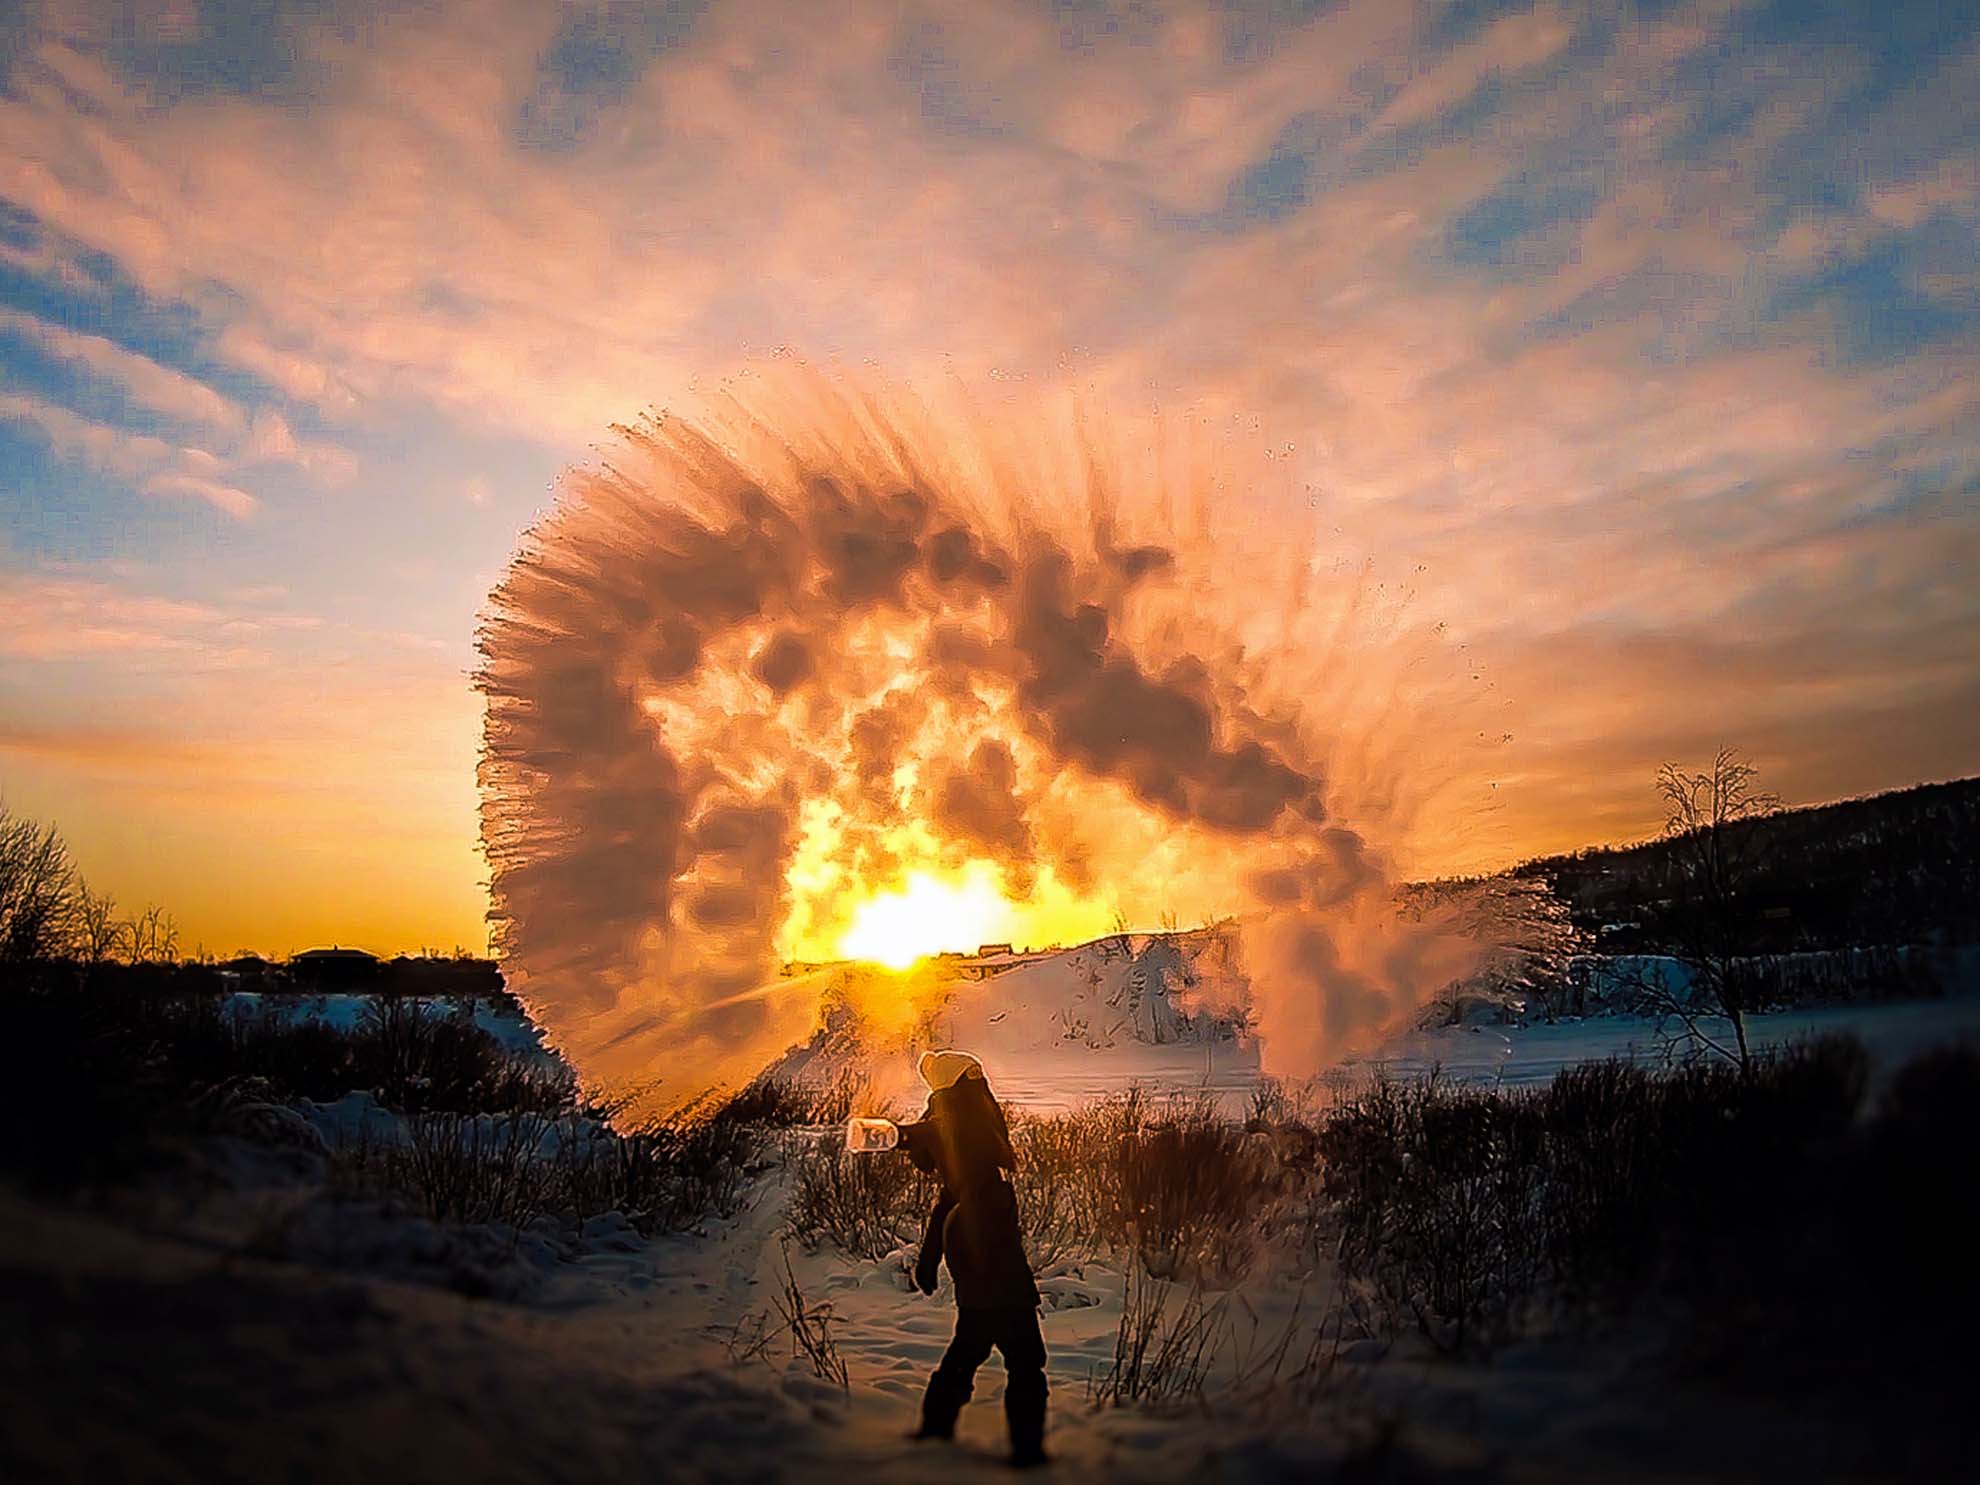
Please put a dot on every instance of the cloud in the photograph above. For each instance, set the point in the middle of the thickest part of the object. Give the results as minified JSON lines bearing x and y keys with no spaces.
{"x":1559,"y":328}
{"x":111,"y":450}
{"x":155,"y":466}
{"x":145,"y":381}
{"x":48,"y":617}
{"x":236,"y":503}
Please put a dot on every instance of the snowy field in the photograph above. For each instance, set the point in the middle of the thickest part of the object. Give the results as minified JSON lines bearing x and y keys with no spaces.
{"x":1084,"y":1024}
{"x":272,"y":1332}
{"x":1053,"y":1080}
{"x":344,"y":1010}
{"x":1532,"y":1054}
{"x":1087,"y":1023}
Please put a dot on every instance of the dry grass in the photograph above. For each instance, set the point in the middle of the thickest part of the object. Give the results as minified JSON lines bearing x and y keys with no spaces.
{"x":513,"y":1168}
{"x":1162,"y":1354}
{"x":864,"y":1205}
{"x":810,"y":1329}
{"x":1167,"y":1180}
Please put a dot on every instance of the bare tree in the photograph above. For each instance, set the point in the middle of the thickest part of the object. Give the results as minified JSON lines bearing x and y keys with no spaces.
{"x":37,"y":890}
{"x":1710,"y":822}
{"x":152,"y":936}
{"x":99,"y":933}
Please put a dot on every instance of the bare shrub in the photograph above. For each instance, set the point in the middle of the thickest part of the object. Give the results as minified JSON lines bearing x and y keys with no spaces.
{"x":1435,"y":1189}
{"x":413,"y":1059}
{"x":792,"y":1103}
{"x":665,"y":1176}
{"x":460,"y":1168}
{"x":1183,"y":1191}
{"x":1450,"y":1206}
{"x":1058,"y":1199}
{"x":514,"y":1167}
{"x":1605,"y":1161}
{"x":1162,"y":1355}
{"x":866,"y":1205}
{"x":1272,"y":1105}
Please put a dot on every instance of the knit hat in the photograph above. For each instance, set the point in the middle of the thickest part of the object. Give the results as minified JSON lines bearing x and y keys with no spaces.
{"x":942,"y":1069}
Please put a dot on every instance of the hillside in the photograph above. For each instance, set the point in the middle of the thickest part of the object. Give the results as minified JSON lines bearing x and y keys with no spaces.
{"x":1893,"y":868}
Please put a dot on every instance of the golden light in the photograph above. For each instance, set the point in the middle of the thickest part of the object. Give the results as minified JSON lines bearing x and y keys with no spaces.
{"x":925,"y":917}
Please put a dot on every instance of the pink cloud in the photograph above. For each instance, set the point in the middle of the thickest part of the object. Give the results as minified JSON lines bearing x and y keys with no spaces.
{"x":147,"y":382}
{"x":235,"y":502}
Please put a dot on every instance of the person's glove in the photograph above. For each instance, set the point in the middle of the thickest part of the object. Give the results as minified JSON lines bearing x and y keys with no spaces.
{"x":927,"y":1270}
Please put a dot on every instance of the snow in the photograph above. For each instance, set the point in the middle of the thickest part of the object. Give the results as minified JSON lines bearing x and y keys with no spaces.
{"x":1532,"y":1054}
{"x":344,"y":1010}
{"x":597,"y":1353}
{"x":1166,"y":1015}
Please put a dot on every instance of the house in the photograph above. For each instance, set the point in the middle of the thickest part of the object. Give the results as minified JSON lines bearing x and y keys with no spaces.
{"x":995,"y":959}
{"x":248,"y":972}
{"x":335,"y":969}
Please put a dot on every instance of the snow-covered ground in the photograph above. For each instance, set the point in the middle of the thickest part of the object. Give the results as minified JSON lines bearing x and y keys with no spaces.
{"x":1530,"y":1054}
{"x":1156,"y":1012}
{"x":344,"y":1010}
{"x":218,"y":1357}
{"x":280,"y":1337}
{"x":1095,"y":1020}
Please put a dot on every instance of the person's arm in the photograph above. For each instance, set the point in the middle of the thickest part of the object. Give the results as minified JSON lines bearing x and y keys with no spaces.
{"x":927,"y":1266}
{"x":918,"y":1140}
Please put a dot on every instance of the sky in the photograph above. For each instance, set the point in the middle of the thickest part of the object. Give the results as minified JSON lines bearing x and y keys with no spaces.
{"x":1640,"y":339}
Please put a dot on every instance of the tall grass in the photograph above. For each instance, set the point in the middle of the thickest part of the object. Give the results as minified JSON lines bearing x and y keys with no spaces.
{"x":864,"y":1205}
{"x":1162,"y":1356}
{"x":1166,"y":1180}
{"x":514,"y":1168}
{"x":1452,"y":1206}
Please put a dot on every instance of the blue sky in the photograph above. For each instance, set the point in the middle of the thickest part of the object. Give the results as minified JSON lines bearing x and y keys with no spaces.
{"x":1647,"y":332}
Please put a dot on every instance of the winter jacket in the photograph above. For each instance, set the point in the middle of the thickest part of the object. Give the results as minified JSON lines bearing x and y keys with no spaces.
{"x":962,"y":1137}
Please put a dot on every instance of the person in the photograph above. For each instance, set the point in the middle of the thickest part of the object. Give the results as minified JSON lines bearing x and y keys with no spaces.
{"x":963,"y":1139}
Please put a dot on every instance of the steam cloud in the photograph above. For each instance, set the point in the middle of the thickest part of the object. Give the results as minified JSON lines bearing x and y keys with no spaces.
{"x":760,"y":662}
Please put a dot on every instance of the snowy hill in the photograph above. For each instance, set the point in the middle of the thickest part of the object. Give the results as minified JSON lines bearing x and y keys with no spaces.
{"x":1111,"y":995}
{"x":1165,"y":1010}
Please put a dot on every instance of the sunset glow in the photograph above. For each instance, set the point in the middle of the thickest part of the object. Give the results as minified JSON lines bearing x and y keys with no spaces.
{"x":1633,"y":395}
{"x":925,"y":917}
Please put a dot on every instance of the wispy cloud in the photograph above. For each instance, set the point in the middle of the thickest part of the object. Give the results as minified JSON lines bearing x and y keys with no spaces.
{"x":147,"y":383}
{"x":235,"y":502}
{"x":150,"y":464}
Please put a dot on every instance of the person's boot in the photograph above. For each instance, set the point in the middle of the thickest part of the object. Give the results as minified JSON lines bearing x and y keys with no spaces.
{"x":939,"y":1407}
{"x":1024,"y":1413}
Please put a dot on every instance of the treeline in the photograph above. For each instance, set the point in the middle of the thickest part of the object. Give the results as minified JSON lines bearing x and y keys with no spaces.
{"x":1896,"y":868}
{"x":57,"y":932}
{"x":429,"y":976}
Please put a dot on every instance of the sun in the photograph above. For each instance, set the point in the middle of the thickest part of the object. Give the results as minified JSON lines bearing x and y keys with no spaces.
{"x":926,"y":915}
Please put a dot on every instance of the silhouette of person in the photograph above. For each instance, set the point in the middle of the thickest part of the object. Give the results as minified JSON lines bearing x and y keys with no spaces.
{"x":962,"y":1137}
